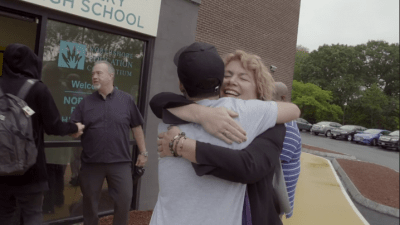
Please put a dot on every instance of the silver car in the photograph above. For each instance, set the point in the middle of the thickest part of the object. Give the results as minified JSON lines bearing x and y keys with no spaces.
{"x":303,"y":124}
{"x":324,"y":127}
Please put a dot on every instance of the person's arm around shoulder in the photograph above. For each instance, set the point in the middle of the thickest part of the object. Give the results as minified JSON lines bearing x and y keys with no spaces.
{"x":219,"y":121}
{"x":246,"y":166}
{"x":265,"y":114}
{"x":176,"y":109}
{"x":160,"y":102}
{"x":270,"y":111}
{"x":249,"y":165}
{"x":287,"y":112}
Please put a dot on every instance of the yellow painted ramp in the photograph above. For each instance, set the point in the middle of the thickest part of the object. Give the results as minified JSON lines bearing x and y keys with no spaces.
{"x":320,"y":198}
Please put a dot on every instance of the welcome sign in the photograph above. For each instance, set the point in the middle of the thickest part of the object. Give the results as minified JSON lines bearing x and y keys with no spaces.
{"x":136,"y":15}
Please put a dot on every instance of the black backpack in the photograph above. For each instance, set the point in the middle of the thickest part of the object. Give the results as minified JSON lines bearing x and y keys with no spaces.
{"x":18,"y":151}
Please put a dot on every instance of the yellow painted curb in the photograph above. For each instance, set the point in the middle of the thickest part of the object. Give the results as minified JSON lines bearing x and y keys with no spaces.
{"x":320,"y":198}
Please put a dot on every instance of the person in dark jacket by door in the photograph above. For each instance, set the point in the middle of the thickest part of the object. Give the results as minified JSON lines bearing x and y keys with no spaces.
{"x":26,"y":191}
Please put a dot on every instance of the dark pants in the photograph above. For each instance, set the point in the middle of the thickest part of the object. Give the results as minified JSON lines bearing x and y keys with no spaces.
{"x":54,"y":196}
{"x":29,"y":203}
{"x":119,"y":180}
{"x":75,"y":163}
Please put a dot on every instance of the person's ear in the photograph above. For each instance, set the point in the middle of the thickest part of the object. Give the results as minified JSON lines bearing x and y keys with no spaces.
{"x":181,"y":88}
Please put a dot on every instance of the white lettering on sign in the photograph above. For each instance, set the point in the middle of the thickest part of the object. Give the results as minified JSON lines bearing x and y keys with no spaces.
{"x":140,"y":16}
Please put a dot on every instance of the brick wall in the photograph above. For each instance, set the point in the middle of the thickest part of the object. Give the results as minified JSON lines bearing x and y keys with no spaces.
{"x":267,"y":28}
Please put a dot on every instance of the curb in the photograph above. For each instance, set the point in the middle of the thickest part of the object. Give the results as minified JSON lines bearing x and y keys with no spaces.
{"x":358,"y":197}
{"x":327,"y":154}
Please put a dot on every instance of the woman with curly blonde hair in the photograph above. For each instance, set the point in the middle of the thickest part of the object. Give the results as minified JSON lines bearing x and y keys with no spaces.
{"x":246,"y":77}
{"x":264,"y":82}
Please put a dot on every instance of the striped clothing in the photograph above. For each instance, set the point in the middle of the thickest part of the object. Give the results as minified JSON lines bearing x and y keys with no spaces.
{"x":290,"y":158}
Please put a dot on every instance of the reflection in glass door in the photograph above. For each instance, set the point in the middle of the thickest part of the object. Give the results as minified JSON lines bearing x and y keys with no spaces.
{"x":70,"y":52}
{"x":16,"y":28}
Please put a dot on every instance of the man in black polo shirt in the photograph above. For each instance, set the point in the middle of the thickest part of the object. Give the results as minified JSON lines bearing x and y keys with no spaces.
{"x":108,"y":115}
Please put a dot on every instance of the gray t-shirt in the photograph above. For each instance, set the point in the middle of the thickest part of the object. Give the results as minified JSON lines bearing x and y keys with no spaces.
{"x":187,"y":199}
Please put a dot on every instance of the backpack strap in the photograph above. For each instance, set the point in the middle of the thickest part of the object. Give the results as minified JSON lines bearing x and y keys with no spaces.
{"x":23,"y":91}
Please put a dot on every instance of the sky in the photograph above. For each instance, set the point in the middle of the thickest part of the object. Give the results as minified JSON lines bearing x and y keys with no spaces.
{"x":347,"y":22}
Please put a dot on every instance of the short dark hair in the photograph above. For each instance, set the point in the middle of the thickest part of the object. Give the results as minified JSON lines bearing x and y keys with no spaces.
{"x":206,"y":84}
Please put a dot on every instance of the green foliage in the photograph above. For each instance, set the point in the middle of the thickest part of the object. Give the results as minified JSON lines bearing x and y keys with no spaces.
{"x":301,"y":56}
{"x":333,"y":68}
{"x":373,"y":99}
{"x":363,"y":81}
{"x":315,"y":103}
{"x":381,"y":65}
{"x":374,"y":109}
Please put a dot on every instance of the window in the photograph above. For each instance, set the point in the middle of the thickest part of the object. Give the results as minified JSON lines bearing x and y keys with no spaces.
{"x":16,"y":29}
{"x":385,"y":132}
{"x":69,"y":54}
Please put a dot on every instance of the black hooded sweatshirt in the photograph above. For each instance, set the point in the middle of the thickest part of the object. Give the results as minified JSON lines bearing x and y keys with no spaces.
{"x":20,"y":63}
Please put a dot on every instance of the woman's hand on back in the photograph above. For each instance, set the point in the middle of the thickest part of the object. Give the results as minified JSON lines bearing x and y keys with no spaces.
{"x":219,"y":122}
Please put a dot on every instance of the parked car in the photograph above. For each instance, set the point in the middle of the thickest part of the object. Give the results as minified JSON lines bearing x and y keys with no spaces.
{"x":347,"y":132}
{"x":324,"y":127}
{"x":370,"y":136}
{"x":303,"y":124}
{"x":390,"y":141}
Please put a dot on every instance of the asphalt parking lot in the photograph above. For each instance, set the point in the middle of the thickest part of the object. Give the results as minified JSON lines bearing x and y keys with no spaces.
{"x":373,"y":154}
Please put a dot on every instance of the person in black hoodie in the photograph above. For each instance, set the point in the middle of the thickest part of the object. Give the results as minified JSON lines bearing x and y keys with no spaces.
{"x":21,"y":63}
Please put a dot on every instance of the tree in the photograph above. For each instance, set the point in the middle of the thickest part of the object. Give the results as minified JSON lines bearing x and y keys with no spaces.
{"x":343,"y":69}
{"x":302,"y":48}
{"x":335,"y":68}
{"x":352,"y":74}
{"x":301,"y":56}
{"x":381,"y":65}
{"x":374,"y":109}
{"x":373,"y":101}
{"x":315,"y":104}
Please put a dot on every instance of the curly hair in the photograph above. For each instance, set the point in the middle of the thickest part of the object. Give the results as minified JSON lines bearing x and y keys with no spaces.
{"x":264,"y":81}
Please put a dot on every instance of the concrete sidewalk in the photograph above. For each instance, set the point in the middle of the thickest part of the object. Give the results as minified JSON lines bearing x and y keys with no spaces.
{"x":320,"y":197}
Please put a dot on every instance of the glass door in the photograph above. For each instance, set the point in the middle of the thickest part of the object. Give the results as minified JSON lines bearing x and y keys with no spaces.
{"x":15,"y":28}
{"x":70,"y":52}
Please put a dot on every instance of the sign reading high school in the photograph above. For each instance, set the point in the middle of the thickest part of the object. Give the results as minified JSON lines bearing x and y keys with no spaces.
{"x":137,"y":15}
